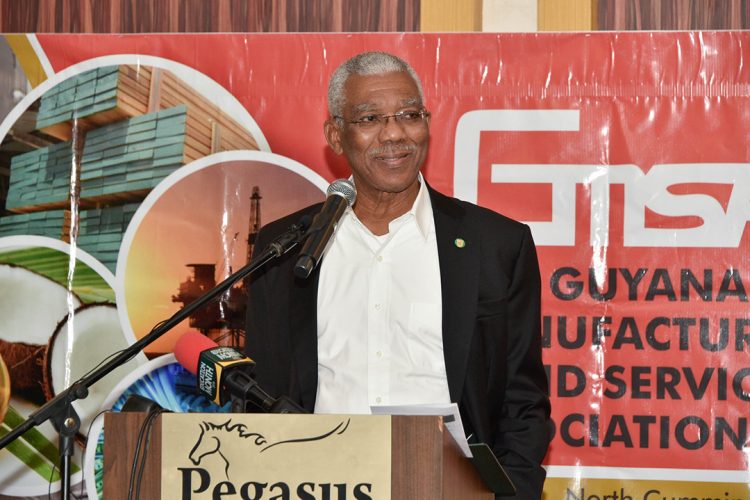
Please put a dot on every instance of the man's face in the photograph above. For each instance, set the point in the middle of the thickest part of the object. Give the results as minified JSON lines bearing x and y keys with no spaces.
{"x":384,"y":158}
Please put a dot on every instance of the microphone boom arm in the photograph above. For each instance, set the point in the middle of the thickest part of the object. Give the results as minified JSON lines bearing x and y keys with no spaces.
{"x":60,"y":410}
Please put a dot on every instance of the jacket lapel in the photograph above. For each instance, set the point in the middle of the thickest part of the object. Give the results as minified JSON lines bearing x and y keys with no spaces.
{"x":304,"y":337}
{"x":303,"y":329}
{"x":458,"y":251}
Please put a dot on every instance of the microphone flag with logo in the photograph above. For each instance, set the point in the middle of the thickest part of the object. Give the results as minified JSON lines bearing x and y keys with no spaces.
{"x":210,"y":363}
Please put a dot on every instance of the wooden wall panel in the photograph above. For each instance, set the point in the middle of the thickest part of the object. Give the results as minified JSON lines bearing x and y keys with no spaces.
{"x":380,"y":15}
{"x":169,"y":16}
{"x":673,"y":14}
{"x":450,"y":15}
{"x":565,"y":15}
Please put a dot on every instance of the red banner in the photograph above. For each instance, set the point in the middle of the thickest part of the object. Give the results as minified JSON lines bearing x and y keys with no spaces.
{"x":627,"y":155}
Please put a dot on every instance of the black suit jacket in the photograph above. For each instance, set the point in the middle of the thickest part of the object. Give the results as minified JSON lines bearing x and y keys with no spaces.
{"x":491,"y":332}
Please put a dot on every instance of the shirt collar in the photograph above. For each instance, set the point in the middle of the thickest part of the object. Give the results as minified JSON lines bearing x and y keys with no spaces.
{"x":421,"y":210}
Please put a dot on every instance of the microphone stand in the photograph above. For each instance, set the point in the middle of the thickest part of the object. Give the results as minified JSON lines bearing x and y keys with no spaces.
{"x":60,"y":409}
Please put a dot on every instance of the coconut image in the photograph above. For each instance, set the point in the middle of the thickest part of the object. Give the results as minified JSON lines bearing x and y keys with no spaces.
{"x":31,"y":306}
{"x":4,"y":389}
{"x":49,"y":339}
{"x":79,"y":344}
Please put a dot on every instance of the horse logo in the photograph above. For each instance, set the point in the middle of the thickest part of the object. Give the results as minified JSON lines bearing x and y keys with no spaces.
{"x":211,"y":436}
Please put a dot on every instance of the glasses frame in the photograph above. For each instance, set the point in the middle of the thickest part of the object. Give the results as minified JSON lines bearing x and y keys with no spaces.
{"x":382,"y":119}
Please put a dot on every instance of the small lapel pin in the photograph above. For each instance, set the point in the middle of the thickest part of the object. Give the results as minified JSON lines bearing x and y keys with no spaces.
{"x":459,"y":242}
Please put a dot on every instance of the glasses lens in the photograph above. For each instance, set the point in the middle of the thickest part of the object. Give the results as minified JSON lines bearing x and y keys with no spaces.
{"x":368,"y":122}
{"x":409,"y":117}
{"x":405,"y":118}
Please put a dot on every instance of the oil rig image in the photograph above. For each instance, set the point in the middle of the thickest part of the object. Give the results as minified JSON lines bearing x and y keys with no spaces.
{"x":223,"y":321}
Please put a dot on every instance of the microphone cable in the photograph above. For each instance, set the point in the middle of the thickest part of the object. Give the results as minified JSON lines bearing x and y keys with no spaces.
{"x":81,"y":492}
{"x":141,"y":452}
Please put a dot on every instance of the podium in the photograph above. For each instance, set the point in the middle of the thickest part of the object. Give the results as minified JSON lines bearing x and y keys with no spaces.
{"x":425,"y":461}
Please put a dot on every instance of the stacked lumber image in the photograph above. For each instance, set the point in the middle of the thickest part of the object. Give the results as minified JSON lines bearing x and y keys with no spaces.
{"x":48,"y":223}
{"x":121,"y":161}
{"x":40,"y":178}
{"x":94,"y":97}
{"x":132,"y":155}
{"x":111,"y":135}
{"x":114,"y":93}
{"x":209,"y":129}
{"x":100,"y":232}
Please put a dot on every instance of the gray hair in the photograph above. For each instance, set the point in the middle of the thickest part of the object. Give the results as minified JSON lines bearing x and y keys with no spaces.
{"x":366,"y":63}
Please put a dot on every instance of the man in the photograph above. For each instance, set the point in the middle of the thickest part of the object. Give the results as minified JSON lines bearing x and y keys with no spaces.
{"x":420,"y":298}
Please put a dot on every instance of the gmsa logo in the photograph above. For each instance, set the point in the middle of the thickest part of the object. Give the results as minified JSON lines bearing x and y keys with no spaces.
{"x":209,"y":455}
{"x":720,"y":222}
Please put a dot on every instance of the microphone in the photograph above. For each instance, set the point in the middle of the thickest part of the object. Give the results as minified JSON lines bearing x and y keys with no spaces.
{"x":224,"y":374}
{"x":340,"y":194}
{"x":137,"y":403}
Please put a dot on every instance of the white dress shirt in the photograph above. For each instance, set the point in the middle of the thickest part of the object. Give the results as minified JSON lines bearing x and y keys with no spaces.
{"x":380,"y":315}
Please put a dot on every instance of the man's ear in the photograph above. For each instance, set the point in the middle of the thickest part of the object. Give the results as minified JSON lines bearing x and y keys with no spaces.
{"x":333,"y":135}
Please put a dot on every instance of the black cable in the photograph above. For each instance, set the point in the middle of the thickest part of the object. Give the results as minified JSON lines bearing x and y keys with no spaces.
{"x":116,"y":353}
{"x":139,"y":456}
{"x":52,"y":475}
{"x":83,"y":452}
{"x":149,"y":420}
{"x":136,"y":454}
{"x":150,"y":426}
{"x":49,"y":485}
{"x":49,"y":481}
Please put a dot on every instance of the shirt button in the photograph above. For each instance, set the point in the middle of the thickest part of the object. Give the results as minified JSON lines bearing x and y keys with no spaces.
{"x":377,"y":307}
{"x":379,"y":354}
{"x":380,"y":258}
{"x":378,"y":399}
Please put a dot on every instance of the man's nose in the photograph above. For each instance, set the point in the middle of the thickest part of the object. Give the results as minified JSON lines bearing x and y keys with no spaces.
{"x":391,"y":129}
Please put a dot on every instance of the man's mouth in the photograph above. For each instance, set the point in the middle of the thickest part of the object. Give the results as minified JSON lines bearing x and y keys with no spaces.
{"x":391,"y":155}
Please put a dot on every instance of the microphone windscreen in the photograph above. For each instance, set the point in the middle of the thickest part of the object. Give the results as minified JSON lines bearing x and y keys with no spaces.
{"x":188,"y":349}
{"x":344,"y":188}
{"x":141,"y":404}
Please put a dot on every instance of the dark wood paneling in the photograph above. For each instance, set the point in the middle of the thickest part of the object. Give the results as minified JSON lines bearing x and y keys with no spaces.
{"x":381,"y":15}
{"x":168,"y":16}
{"x":673,"y":14}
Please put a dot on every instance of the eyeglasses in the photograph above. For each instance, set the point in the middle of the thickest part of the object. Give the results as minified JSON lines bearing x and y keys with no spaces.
{"x":408,"y":118}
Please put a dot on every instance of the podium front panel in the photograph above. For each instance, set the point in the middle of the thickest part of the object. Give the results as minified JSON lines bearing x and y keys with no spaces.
{"x":423,"y":462}
{"x":275,"y":456}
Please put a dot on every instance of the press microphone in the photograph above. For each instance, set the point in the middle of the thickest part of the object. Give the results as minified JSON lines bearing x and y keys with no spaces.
{"x":340,"y":194}
{"x":223,"y":375}
{"x":142,"y":404}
